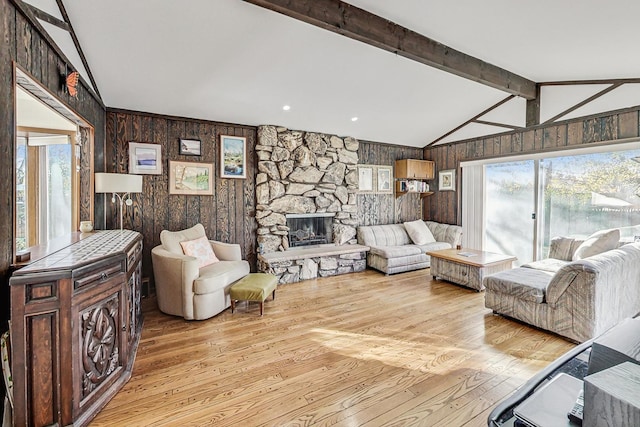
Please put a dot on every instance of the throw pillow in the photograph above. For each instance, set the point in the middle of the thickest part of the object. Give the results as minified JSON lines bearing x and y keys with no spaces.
{"x":419,"y":232}
{"x":201,"y":249}
{"x":598,"y":242}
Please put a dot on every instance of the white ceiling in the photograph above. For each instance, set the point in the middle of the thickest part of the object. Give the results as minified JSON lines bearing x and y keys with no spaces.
{"x":231,"y":61}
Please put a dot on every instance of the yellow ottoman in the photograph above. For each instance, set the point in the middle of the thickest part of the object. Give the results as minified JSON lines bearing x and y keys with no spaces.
{"x":253,"y":287}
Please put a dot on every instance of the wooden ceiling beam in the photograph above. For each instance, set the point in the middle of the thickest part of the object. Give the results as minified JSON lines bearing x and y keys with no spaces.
{"x":358,"y":24}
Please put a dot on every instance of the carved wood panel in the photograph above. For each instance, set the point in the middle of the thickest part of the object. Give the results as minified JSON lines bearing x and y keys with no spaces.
{"x":100,"y":342}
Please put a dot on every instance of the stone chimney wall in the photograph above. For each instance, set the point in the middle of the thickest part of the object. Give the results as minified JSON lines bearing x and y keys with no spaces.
{"x":304,"y":172}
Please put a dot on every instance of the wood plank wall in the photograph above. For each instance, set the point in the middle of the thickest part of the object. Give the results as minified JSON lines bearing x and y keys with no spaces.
{"x":374,"y":209}
{"x":605,"y":128}
{"x":227,"y":216}
{"x":22,"y":43}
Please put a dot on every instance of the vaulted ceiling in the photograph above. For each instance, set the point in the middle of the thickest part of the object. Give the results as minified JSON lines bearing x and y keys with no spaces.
{"x":233,"y":61}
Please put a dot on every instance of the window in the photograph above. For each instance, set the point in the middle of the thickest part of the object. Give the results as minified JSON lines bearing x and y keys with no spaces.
{"x":527,"y":202}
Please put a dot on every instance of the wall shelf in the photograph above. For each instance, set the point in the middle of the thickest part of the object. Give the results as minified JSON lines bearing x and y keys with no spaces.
{"x":411,"y":176}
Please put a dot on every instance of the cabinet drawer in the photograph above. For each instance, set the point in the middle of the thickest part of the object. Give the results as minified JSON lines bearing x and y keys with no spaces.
{"x":97,"y":276}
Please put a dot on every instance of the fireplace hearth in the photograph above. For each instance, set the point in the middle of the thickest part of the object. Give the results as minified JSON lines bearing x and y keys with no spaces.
{"x":310,"y":229}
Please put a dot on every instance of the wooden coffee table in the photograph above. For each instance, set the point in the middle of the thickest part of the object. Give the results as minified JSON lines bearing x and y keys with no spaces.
{"x":467,"y":267}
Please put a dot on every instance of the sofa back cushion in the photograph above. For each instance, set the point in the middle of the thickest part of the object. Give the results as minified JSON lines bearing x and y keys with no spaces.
{"x":598,"y":242}
{"x":383,"y":235}
{"x":171,"y":239}
{"x":419,"y":233}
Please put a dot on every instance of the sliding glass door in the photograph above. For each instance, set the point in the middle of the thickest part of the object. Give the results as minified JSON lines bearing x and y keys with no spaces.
{"x":586,"y":193}
{"x":510,"y":204}
{"x":529,"y":202}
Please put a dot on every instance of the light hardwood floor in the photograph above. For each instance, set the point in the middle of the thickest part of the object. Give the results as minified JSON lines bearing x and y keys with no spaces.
{"x":355,"y":350}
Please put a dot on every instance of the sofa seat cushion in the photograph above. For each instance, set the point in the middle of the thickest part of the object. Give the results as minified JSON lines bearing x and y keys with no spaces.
{"x":548,"y":264}
{"x":526,"y":284}
{"x":219,"y":275}
{"x":435,"y":246}
{"x":395,"y":251}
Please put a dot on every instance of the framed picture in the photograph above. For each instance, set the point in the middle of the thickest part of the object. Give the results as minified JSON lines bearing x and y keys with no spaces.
{"x":384,"y":179}
{"x":447,"y":180}
{"x":145,"y":159}
{"x":190,"y":147}
{"x":233,"y":156}
{"x":365,"y":179}
{"x":190,"y":178}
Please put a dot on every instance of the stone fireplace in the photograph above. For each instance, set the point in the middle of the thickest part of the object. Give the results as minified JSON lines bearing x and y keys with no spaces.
{"x":306,"y":198}
{"x":310,"y":229}
{"x":301,"y":173}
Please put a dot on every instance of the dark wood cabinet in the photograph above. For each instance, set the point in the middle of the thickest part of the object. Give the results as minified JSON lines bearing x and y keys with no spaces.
{"x":75,"y":325}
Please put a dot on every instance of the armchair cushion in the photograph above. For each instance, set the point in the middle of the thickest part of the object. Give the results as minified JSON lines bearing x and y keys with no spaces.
{"x":200,"y":248}
{"x":219,"y":275}
{"x":171,"y":239}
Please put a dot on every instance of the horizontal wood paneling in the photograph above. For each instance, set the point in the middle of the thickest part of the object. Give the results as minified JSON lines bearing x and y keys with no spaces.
{"x":228,"y":215}
{"x":606,"y":128}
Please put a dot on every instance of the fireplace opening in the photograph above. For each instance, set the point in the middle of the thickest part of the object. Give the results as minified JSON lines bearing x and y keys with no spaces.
{"x":310,"y":229}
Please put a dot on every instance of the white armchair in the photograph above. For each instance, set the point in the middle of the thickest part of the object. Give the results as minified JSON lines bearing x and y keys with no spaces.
{"x":184,"y":288}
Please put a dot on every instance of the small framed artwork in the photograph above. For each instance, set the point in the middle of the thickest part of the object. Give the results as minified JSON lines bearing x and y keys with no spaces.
{"x":365,"y":179}
{"x":145,"y":159}
{"x":384,"y":179}
{"x":190,"y":147}
{"x":233,"y":156}
{"x":190,"y":178}
{"x":447,"y":180}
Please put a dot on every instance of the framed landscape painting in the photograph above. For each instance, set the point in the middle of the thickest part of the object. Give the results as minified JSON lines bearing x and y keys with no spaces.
{"x":190,"y":178}
{"x":233,"y":156}
{"x":145,"y":159}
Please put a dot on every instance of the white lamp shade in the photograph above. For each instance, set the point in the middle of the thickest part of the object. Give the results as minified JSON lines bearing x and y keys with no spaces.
{"x":118,"y":183}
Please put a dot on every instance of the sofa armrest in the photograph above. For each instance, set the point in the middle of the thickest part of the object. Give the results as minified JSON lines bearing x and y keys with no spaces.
{"x":601,"y":289}
{"x":449,"y":233}
{"x":174,"y":275}
{"x":226,"y":251}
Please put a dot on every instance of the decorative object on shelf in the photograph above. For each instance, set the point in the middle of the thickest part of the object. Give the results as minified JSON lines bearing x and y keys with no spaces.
{"x":365,"y":179}
{"x":384,"y":177}
{"x":145,"y":158}
{"x":120,"y":185}
{"x":190,"y":178}
{"x":233,"y":157}
{"x":190,"y":147}
{"x":86,"y":226}
{"x":447,"y":180}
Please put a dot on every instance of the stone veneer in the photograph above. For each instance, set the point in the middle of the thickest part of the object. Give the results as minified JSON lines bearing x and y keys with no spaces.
{"x":311,"y":263}
{"x":304,"y":172}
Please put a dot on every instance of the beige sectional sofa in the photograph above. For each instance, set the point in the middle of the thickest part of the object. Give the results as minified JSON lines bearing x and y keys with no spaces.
{"x":576,"y":298}
{"x":393,"y":251}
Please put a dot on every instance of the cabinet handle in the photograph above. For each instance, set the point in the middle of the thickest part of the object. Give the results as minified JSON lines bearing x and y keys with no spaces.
{"x":104,"y":276}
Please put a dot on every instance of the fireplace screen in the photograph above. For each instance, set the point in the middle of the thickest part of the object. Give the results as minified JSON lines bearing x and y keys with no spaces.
{"x":305,"y":230}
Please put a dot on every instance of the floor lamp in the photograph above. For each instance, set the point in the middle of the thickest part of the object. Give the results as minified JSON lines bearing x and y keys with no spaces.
{"x":120,"y":185}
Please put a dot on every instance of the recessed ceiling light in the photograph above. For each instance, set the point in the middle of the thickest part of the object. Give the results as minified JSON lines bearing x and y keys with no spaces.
{"x":354,"y":119}
{"x":286,"y":107}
